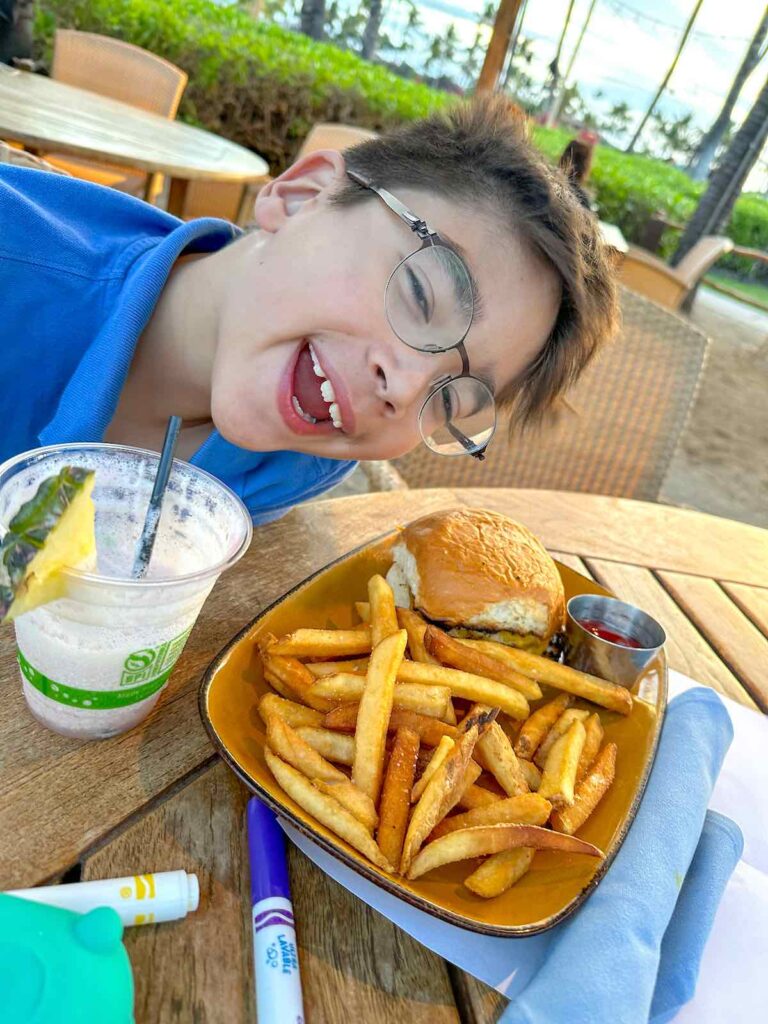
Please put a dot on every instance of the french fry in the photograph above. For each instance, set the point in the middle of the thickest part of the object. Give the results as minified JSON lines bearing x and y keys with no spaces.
{"x":465,"y":658}
{"x":296,"y":677}
{"x":476,"y":796}
{"x":425,"y":700}
{"x":526,"y":809}
{"x":466,"y":685}
{"x":571,"y":680}
{"x":589,"y":792}
{"x":326,"y":809}
{"x":561,"y":726}
{"x":472,"y":773}
{"x":383,"y":617}
{"x":559,"y":776}
{"x":415,"y":627}
{"x":331,"y":668}
{"x":323,"y":643}
{"x":395,"y":794}
{"x":531,"y":773}
{"x":363,"y":609}
{"x":277,"y":684}
{"x":486,"y":839}
{"x":439,"y":754}
{"x":374,"y":712}
{"x":538,"y":725}
{"x":528,"y":687}
{"x":449,"y":715}
{"x":500,"y":872}
{"x":289,"y":746}
{"x":595,"y":732}
{"x":335,"y":746}
{"x":291,"y":712}
{"x":443,"y":790}
{"x":430,"y":730}
{"x":494,"y":753}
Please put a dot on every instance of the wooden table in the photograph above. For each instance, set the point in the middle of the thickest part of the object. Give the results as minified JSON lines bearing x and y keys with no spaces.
{"x":48,"y":115}
{"x":158,"y":798}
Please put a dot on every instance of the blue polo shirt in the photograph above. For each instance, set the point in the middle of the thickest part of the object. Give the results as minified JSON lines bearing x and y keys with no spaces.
{"x":81,"y":270}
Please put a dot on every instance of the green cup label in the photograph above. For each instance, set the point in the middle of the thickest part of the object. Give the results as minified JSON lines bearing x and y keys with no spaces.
{"x":144,"y":673}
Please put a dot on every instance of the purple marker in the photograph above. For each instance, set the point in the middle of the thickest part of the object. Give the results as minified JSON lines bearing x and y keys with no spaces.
{"x":275,"y":957}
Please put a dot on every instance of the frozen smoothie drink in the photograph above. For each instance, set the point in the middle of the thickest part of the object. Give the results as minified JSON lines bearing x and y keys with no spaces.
{"x":95,"y":661}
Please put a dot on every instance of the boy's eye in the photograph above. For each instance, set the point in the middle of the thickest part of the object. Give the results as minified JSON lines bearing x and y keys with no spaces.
{"x":419,"y":293}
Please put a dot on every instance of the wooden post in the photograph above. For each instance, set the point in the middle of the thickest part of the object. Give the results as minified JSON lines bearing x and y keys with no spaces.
{"x":503,"y":26}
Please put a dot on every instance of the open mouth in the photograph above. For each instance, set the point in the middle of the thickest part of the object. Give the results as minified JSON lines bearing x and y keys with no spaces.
{"x":308,"y":400}
{"x":313,"y":396}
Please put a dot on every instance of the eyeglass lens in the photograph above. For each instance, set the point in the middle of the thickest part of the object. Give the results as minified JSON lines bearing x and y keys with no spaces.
{"x":458,"y":417}
{"x":428,"y":299}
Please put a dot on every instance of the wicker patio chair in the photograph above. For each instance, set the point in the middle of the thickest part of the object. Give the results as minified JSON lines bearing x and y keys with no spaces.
{"x":235,"y":203}
{"x":13,"y":154}
{"x":670,"y":286}
{"x":329,"y":135}
{"x":629,"y":410}
{"x":123,"y":72}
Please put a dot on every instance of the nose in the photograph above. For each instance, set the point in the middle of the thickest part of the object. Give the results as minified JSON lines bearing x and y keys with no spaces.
{"x":403,"y":379}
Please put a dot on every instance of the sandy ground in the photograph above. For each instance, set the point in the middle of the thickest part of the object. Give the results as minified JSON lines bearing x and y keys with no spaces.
{"x":721,"y":465}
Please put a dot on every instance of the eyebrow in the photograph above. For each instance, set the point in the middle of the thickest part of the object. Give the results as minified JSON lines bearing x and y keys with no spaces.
{"x":477,"y":302}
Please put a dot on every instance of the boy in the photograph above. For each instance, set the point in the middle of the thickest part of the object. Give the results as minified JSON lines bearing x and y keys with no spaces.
{"x":399,"y":292}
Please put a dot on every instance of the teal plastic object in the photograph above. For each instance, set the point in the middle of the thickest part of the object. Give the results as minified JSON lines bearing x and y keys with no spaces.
{"x":59,"y":967}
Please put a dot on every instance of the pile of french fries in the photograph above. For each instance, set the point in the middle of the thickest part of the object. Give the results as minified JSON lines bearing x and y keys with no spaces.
{"x":381,"y":731}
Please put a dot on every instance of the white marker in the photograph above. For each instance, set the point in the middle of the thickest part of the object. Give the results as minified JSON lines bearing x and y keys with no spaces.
{"x":138,"y":899}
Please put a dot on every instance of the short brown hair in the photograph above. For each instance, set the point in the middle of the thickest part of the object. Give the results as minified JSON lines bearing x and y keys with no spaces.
{"x":480,"y":151}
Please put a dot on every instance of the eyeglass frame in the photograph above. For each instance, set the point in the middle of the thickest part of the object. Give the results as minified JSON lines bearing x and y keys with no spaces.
{"x":432,"y":238}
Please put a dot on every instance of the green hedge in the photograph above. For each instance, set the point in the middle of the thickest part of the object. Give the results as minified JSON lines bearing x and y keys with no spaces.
{"x":251,"y":81}
{"x":263,"y":86}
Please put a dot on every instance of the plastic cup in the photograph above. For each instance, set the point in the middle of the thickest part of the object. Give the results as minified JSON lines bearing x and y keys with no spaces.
{"x":94,"y":662}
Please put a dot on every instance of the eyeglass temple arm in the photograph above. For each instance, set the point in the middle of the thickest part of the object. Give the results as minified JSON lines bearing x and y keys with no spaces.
{"x":463,"y":440}
{"x":414,"y":223}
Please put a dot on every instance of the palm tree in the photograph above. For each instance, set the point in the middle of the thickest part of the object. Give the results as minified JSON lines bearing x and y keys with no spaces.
{"x":559,"y":96}
{"x":16,"y":18}
{"x":705,"y":151}
{"x":714,"y":209}
{"x":663,"y":86}
{"x":372,"y":26}
{"x":313,"y":18}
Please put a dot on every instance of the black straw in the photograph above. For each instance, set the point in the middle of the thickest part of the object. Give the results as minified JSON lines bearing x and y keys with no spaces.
{"x":152,"y":520}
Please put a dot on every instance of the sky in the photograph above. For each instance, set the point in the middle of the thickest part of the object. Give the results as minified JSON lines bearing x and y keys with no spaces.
{"x":630,"y":44}
{"x":628,"y":48}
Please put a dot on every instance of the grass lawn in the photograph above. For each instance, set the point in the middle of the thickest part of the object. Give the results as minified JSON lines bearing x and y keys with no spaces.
{"x":754,"y":290}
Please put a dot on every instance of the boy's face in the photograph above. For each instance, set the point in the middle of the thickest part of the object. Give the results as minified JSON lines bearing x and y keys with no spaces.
{"x":306,"y":294}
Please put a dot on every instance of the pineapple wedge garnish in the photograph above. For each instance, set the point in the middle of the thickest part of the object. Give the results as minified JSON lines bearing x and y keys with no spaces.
{"x":52,"y":531}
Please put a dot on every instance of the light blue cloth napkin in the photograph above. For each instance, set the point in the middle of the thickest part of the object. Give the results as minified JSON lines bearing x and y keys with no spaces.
{"x":631,"y":955}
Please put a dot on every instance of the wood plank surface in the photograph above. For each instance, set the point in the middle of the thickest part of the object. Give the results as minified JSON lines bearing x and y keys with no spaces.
{"x":479,"y":1003}
{"x":356,"y":965}
{"x":592,"y":526}
{"x":738,"y":642}
{"x":753,"y":601}
{"x":44,"y":113}
{"x":61,"y":800}
{"x":687,"y":650}
{"x":68,"y":794}
{"x":573,"y":562}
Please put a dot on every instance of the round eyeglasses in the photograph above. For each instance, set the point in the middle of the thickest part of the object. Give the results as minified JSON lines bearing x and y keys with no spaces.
{"x":429,"y":303}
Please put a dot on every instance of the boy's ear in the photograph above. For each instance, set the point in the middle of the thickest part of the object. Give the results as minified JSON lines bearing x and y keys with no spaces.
{"x":310,"y":178}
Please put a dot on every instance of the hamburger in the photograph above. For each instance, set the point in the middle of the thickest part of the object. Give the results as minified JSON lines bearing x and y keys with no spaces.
{"x":480,"y":575}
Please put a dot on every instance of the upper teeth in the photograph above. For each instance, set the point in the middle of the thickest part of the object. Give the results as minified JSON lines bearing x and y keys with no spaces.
{"x":326,"y":390}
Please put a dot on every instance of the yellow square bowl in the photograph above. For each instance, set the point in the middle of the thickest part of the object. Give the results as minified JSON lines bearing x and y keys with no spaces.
{"x":556,"y":884}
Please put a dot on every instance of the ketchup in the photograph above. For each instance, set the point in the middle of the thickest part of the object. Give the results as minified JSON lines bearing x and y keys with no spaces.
{"x":601,"y":630}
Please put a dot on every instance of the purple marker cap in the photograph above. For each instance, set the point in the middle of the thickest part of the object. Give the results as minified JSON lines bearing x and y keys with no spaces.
{"x":266,"y":854}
